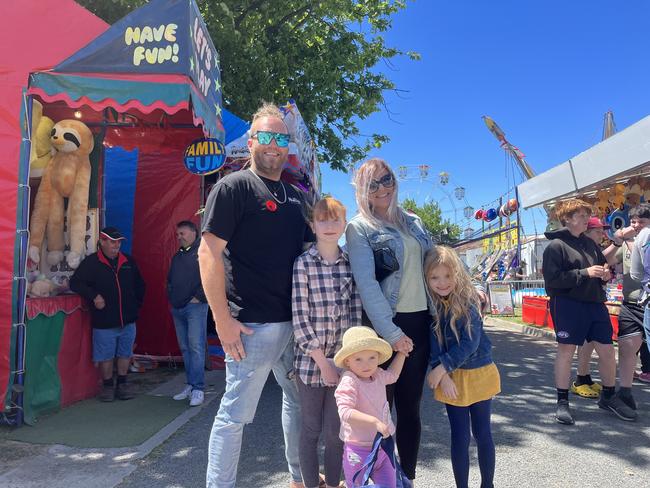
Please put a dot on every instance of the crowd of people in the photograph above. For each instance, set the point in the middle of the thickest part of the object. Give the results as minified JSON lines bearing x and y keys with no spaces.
{"x":575,"y":269}
{"x":351,"y":334}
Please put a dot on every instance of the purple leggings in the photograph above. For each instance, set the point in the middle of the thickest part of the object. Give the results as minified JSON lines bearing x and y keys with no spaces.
{"x":353,"y":458}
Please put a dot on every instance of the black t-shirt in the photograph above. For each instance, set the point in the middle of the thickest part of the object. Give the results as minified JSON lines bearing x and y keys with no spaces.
{"x":264,"y":238}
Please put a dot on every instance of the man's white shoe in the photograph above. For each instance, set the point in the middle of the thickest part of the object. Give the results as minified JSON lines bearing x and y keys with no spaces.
{"x":196,"y":398}
{"x":185,"y":394}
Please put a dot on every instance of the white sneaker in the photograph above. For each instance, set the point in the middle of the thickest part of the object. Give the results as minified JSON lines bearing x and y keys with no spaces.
{"x":196,"y":398}
{"x":185,"y":394}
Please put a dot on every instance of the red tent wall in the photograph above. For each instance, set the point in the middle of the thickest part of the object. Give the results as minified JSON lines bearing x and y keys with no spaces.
{"x":165,"y":194}
{"x":37,"y":34}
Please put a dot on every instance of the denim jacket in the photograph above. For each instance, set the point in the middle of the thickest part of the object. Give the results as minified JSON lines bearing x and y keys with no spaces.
{"x":380,"y":299}
{"x":468,"y":353}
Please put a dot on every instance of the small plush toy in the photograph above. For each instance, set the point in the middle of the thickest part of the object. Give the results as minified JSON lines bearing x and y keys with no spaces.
{"x":617,"y":196}
{"x":42,"y":287}
{"x":634,"y":191}
{"x":552,"y":222}
{"x":602,"y":203}
{"x":41,"y":147}
{"x":67,"y":175}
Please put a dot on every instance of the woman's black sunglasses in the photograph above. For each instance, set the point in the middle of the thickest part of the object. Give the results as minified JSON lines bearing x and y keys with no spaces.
{"x":387,"y":181}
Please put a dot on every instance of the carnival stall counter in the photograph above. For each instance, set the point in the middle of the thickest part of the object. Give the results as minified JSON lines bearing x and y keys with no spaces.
{"x":58,"y":361}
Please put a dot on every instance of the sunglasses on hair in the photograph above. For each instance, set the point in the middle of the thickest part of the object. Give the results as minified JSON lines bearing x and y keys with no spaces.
{"x":387,"y":181}
{"x":264,"y":137}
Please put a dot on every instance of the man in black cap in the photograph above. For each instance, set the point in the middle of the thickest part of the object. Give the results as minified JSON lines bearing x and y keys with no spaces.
{"x":111,"y":282}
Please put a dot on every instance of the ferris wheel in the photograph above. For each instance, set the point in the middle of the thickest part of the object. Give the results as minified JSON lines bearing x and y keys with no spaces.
{"x":428,"y":180}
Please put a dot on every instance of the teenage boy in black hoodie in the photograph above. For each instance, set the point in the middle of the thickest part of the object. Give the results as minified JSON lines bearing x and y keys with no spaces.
{"x":575,"y":272}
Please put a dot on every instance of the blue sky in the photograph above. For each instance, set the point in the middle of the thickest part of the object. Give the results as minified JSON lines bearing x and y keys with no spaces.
{"x":546,"y":72}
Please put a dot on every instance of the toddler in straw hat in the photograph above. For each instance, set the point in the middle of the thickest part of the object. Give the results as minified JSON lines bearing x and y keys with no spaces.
{"x":361,"y":400}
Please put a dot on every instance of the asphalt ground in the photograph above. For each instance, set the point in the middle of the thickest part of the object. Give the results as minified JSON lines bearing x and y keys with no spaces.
{"x":532,"y":450}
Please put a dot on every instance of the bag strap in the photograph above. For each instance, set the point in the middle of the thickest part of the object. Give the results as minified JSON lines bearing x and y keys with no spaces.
{"x":388,"y":445}
{"x":368,"y":465}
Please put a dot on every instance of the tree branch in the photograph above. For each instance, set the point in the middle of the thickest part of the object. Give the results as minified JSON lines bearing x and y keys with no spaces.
{"x":254,"y":5}
{"x":273,"y":29}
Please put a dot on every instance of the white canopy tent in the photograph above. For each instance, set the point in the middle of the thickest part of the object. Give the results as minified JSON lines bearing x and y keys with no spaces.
{"x":617,"y":158}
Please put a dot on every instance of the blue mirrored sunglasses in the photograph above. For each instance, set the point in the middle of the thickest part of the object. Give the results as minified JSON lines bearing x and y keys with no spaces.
{"x":264,"y":137}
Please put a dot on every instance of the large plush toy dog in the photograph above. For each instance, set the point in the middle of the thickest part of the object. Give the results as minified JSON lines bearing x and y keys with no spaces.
{"x":67,"y":175}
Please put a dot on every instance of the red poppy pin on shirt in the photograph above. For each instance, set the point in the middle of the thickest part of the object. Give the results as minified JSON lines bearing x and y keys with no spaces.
{"x":271,"y":206}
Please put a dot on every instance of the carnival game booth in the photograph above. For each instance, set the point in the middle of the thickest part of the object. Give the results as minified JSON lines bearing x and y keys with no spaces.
{"x":147,"y":88}
{"x":614,"y":176}
{"x":22,"y":54}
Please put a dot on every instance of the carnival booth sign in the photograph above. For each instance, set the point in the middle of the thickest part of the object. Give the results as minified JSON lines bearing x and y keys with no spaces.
{"x":205,"y":156}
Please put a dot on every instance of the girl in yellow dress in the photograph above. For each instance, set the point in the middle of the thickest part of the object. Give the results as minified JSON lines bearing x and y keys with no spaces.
{"x":463,"y":375}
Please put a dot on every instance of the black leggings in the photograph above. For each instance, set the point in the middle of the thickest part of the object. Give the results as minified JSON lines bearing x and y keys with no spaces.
{"x":407,"y":392}
{"x":460,"y":418}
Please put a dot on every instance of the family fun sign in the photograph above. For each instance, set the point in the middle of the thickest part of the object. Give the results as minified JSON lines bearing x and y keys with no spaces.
{"x":204,"y":156}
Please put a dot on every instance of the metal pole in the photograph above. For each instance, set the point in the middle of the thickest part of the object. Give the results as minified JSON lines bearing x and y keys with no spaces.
{"x":518,"y":227}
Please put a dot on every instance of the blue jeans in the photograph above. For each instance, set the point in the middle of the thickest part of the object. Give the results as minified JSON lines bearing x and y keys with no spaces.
{"x":269,"y":348}
{"x":646,"y":326}
{"x":191,"y":323}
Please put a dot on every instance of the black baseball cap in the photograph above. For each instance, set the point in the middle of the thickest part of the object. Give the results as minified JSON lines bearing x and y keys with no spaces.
{"x":111,"y":233}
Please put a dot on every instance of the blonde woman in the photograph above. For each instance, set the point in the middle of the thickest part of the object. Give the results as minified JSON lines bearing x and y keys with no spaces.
{"x":397,"y":306}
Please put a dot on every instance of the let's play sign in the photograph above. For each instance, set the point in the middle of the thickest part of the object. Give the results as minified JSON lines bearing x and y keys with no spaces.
{"x":205,"y":156}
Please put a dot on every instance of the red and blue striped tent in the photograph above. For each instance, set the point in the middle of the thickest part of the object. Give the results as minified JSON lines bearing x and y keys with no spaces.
{"x":36,"y":35}
{"x":157,"y":66}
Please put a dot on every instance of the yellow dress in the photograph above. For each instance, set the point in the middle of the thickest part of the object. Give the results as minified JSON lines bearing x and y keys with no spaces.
{"x":473,"y":385}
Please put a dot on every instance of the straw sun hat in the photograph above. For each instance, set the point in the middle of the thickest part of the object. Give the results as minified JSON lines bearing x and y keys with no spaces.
{"x":358,"y":339}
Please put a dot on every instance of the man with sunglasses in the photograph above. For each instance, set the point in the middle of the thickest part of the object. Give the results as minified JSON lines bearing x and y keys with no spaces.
{"x":254,"y":228}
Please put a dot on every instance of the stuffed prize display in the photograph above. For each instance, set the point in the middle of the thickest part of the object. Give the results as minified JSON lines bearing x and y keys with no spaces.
{"x":508,"y":208}
{"x":41,"y":148}
{"x":617,"y":196}
{"x":617,"y":220}
{"x":66,"y":175}
{"x":490,"y":214}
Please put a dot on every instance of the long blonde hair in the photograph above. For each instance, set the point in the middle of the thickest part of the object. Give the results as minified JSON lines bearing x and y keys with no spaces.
{"x":362,"y":179}
{"x":463,"y":296}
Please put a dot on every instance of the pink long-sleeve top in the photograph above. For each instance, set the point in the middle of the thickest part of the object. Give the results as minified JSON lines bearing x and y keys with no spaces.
{"x":368,"y":397}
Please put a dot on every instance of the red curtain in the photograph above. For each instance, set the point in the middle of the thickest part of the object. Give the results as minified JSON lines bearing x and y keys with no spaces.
{"x":165,"y":194}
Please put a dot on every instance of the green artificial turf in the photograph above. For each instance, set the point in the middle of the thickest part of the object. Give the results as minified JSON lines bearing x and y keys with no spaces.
{"x":92,"y":423}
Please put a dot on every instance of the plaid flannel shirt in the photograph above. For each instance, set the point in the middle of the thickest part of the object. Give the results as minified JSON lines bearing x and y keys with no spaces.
{"x":325,"y":303}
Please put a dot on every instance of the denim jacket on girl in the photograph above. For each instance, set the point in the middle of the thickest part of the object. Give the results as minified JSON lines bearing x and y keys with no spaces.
{"x":468,"y":353}
{"x":380,"y":299}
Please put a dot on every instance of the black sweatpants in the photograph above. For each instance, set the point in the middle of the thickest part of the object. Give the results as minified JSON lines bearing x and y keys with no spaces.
{"x":407,"y":392}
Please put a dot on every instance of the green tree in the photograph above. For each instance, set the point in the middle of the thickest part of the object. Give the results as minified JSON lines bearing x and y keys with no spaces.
{"x":443,"y":230}
{"x":323,"y":54}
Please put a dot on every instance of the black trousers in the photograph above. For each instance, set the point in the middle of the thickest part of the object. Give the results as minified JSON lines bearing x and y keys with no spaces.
{"x":407,"y":392}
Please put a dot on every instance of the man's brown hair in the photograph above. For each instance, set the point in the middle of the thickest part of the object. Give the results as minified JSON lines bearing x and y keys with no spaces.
{"x":267,"y":109}
{"x":565,"y":210}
